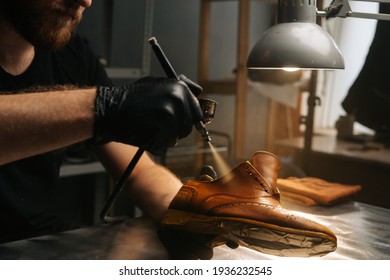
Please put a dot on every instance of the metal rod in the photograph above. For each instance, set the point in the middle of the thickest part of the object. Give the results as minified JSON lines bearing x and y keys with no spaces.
{"x":309,"y":124}
{"x":378,"y":16}
{"x":375,"y":1}
{"x":346,"y":11}
{"x":148,"y":28}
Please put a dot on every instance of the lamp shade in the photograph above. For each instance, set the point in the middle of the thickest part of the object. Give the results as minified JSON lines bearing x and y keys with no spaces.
{"x":296,"y":45}
{"x":296,"y":41}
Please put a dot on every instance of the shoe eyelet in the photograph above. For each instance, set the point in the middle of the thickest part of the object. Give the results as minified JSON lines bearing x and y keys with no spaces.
{"x":262,"y":184}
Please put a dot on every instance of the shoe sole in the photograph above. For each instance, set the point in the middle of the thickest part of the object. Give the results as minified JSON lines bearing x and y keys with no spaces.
{"x":263,"y":237}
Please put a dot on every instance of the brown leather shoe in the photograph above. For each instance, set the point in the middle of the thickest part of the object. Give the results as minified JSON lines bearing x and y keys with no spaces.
{"x":243,"y":206}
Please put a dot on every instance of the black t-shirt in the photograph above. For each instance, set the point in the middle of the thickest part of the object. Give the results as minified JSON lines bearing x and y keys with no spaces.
{"x":27,"y":186}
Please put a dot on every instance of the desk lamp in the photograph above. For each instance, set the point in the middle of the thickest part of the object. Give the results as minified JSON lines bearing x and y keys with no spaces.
{"x":297,"y":42}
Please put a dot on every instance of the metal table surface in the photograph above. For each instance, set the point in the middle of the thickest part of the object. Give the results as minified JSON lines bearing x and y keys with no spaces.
{"x":363,"y":233}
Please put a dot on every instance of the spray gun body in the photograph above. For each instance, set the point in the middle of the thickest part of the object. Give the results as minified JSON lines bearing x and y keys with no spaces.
{"x":201,"y":127}
{"x":207,"y":105}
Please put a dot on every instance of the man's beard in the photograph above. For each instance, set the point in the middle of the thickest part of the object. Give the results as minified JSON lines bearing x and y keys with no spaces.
{"x":46,"y":24}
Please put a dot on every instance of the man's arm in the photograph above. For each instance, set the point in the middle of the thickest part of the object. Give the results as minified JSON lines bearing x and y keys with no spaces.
{"x":158,"y":111}
{"x":35,"y":123}
{"x":151,"y":185}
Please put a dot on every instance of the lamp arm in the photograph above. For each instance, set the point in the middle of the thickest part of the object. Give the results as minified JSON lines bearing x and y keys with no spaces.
{"x":378,"y":16}
{"x":341,"y":8}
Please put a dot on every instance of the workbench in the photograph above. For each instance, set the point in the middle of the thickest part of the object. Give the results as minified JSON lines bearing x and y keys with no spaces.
{"x":363,"y":233}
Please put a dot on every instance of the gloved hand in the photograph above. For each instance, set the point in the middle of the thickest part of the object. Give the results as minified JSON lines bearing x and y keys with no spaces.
{"x":153,"y":111}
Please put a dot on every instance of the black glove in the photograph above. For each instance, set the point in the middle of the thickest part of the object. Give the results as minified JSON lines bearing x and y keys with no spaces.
{"x":152,"y":113}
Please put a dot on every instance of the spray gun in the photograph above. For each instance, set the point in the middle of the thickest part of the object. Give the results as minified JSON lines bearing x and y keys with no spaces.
{"x":208,"y":109}
{"x":207,"y":105}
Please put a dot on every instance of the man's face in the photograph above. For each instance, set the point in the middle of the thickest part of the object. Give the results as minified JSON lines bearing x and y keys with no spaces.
{"x":44,"y":23}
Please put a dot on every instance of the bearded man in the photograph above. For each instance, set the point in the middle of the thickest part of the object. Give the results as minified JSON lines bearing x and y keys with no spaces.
{"x":54,"y":93}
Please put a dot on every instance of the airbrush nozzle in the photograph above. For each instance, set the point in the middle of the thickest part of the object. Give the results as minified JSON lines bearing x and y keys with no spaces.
{"x":200,"y":126}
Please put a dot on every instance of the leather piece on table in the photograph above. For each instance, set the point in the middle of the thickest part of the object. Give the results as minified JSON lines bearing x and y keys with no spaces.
{"x":311,"y":191}
{"x":298,"y":198}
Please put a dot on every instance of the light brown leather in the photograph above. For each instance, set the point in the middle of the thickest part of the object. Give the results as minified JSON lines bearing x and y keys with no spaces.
{"x":320,"y":191}
{"x":248,"y":194}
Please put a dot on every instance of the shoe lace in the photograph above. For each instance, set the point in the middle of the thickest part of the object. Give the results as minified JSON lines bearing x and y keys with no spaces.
{"x":260,"y":179}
